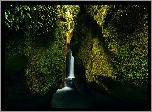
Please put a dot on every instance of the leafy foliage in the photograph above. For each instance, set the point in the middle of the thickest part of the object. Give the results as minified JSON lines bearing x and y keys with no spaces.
{"x":39,"y":19}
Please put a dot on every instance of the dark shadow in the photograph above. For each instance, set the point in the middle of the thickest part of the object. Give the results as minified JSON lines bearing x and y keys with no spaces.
{"x":37,"y":101}
{"x":115,"y":102}
{"x":86,"y":24}
{"x":80,"y":79}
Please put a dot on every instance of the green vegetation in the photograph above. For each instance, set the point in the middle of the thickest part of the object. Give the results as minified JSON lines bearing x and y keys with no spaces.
{"x":33,"y":51}
{"x":35,"y":41}
{"x":109,"y":45}
{"x":127,"y":38}
{"x":113,"y":46}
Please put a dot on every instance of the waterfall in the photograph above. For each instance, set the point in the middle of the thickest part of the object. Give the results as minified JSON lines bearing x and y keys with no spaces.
{"x":71,"y":67}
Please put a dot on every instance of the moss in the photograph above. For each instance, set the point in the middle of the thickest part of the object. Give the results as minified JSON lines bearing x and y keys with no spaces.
{"x":33,"y":68}
{"x":113,"y":49}
{"x":109,"y":44}
{"x":45,"y":65}
{"x":121,"y":42}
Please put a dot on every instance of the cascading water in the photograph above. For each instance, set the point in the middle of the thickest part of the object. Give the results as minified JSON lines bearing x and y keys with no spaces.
{"x":71,"y":67}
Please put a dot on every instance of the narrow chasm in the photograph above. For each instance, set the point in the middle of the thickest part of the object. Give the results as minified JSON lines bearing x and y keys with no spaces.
{"x":76,"y":56}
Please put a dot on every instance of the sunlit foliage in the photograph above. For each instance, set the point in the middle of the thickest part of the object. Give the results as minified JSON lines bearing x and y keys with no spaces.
{"x":39,"y":19}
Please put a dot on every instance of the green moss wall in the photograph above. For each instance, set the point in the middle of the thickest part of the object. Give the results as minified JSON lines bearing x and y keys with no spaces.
{"x":111,"y":43}
{"x":33,"y":68}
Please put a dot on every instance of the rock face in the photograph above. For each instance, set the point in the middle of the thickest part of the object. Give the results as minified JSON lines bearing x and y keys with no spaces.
{"x":68,"y":60}
{"x":103,"y":38}
{"x":110,"y":49}
{"x":33,"y":68}
{"x":27,"y":85}
{"x":87,"y":36}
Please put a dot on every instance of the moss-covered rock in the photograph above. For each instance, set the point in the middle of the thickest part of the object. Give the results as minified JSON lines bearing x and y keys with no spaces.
{"x":33,"y":67}
{"x":111,"y":43}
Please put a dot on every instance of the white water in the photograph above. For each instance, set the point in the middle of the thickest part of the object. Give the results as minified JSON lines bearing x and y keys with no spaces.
{"x":71,"y":75}
{"x":64,"y":89}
